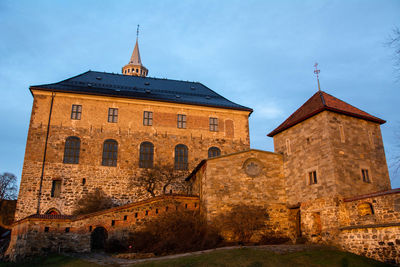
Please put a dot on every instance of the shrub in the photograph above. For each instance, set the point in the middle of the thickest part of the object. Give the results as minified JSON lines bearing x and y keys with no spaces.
{"x":242,"y":222}
{"x":180,"y":231}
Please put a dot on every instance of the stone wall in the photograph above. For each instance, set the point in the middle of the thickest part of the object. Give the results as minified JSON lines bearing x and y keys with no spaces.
{"x":381,"y":243}
{"x":93,"y":129}
{"x":42,"y":234}
{"x":252,"y":177}
{"x":336,"y":147}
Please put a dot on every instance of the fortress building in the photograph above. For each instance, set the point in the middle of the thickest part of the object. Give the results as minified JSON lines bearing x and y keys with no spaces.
{"x":326,"y":182}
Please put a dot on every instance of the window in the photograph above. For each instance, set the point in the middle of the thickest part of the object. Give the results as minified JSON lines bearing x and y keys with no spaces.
{"x":365,"y":208}
{"x":125,"y":217}
{"x":365,"y":175}
{"x":110,"y":153}
{"x":46,"y":229}
{"x":112,"y":222}
{"x":147,"y":118}
{"x":113,"y":115}
{"x":214,"y":124}
{"x":136,"y":215}
{"x":67,"y":229}
{"x":312,"y":176}
{"x":181,"y":121}
{"x":213,"y":152}
{"x":76,"y":112}
{"x":71,"y":150}
{"x":56,"y":188}
{"x":83,"y":181}
{"x":181,"y":157}
{"x":146,"y":155}
{"x":342,"y":138}
{"x":90,"y":228}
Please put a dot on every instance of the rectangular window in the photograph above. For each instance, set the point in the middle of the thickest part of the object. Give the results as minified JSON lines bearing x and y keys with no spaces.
{"x":56,"y":188}
{"x":365,"y":176}
{"x":76,"y":112}
{"x":214,"y":124}
{"x":147,"y":118}
{"x":312,"y":176}
{"x":113,"y":115}
{"x":46,"y":229}
{"x":67,"y":229}
{"x":181,"y":121}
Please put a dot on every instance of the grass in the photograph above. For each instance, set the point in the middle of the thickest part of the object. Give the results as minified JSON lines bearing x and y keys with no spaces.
{"x":51,"y":261}
{"x":257,"y":258}
{"x":248,"y":257}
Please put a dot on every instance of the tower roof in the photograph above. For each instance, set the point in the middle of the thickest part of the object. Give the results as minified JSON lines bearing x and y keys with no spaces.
{"x":319,"y":102}
{"x":135,"y":58}
{"x":139,"y":87}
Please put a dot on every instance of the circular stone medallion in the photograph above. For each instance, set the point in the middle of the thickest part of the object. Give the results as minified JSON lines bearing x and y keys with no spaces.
{"x":252,"y":167}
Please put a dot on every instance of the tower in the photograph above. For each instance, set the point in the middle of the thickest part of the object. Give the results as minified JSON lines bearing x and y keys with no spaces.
{"x":135,"y":66}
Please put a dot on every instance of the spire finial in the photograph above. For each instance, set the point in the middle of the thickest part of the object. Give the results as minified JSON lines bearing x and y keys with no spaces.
{"x":137,"y":32}
{"x":317,"y":71}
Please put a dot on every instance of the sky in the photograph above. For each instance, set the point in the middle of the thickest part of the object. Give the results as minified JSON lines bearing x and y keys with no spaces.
{"x":259,"y":54}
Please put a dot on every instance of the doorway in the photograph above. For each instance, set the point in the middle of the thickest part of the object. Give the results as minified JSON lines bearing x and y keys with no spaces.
{"x":98,"y":238}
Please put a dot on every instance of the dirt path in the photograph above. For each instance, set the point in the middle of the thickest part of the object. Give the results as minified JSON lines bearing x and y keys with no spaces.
{"x":107,"y":259}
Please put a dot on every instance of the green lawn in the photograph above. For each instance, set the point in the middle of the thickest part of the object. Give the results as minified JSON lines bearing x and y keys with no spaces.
{"x":237,"y":257}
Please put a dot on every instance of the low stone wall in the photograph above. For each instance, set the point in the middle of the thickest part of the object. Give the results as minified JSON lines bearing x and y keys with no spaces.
{"x":379,"y":242}
{"x":42,"y":234}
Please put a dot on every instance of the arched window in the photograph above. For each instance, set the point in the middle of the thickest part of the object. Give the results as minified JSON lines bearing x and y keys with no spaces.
{"x":146,"y":155}
{"x":181,"y":157}
{"x":71,"y":150}
{"x":214,"y":152}
{"x":53,"y":211}
{"x":110,"y":153}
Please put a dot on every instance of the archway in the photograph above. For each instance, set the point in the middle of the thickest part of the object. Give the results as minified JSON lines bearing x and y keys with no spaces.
{"x":53,"y":211}
{"x":98,"y":238}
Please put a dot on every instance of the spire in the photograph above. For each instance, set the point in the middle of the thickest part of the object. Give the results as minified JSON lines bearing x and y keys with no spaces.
{"x":135,"y":67}
{"x":135,"y":58}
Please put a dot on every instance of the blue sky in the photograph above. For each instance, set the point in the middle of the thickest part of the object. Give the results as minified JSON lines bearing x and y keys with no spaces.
{"x":257,"y":53}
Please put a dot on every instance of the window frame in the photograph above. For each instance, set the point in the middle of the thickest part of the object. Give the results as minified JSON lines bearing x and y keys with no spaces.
{"x":110,"y":153}
{"x":181,"y":121}
{"x":146,"y":155}
{"x":72,"y":149}
{"x":212,"y":150}
{"x":181,"y":157}
{"x":148,"y":118}
{"x":112,"y":115}
{"x":76,"y":112}
{"x":213,"y":124}
{"x":365,"y":175}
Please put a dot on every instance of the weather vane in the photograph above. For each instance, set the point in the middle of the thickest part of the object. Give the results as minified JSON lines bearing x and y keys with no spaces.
{"x":317,"y":71}
{"x":137,"y":32}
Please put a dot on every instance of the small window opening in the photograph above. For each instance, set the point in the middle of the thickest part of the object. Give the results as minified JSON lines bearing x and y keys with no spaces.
{"x":365,"y":176}
{"x":90,"y":228}
{"x":83,"y":181}
{"x":156,"y":211}
{"x":112,"y":222}
{"x":67,"y":229}
{"x":147,"y":212}
{"x":136,"y":215}
{"x":125,"y":217}
{"x":288,"y":148}
{"x":46,"y":229}
{"x":166,"y":208}
{"x":312,"y":177}
{"x":185,"y":206}
{"x":195,"y":205}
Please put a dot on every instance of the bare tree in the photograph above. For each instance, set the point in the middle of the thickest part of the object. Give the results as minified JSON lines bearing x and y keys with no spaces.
{"x":394,"y":43}
{"x":8,"y":186}
{"x":158,"y":178}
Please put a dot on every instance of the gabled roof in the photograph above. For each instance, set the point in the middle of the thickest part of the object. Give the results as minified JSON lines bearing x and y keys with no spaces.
{"x":118,"y":85}
{"x":319,"y":102}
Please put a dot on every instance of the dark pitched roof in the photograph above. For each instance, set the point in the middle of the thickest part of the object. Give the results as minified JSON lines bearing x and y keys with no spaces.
{"x":118,"y":85}
{"x":319,"y":102}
